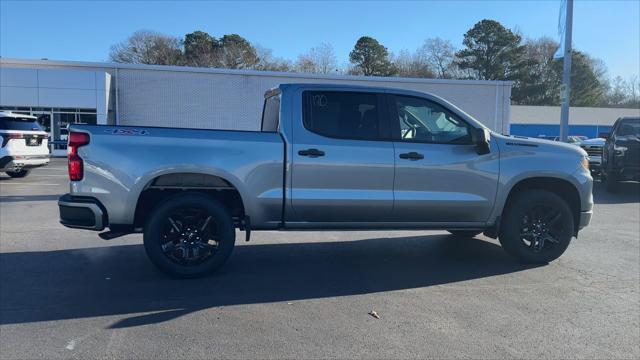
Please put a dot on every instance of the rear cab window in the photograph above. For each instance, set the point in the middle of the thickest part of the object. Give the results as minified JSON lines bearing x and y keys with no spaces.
{"x":20,"y":124}
{"x":271,"y":114}
{"x":342,"y":114}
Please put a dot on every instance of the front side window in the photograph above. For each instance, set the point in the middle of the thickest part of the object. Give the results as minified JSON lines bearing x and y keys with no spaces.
{"x":421,"y":120}
{"x":629,"y":127}
{"x":343,"y":115}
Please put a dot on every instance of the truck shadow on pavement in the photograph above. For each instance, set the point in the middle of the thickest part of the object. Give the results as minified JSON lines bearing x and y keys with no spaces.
{"x":119,"y":280}
{"x":22,"y":198}
{"x":626,"y":192}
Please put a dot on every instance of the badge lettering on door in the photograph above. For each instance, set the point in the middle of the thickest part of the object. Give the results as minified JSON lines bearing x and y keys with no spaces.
{"x":127,"y":132}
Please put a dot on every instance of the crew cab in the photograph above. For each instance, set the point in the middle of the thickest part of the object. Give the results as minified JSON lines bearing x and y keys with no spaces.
{"x":327,"y":157}
{"x":621,"y":154}
{"x":24,"y":144}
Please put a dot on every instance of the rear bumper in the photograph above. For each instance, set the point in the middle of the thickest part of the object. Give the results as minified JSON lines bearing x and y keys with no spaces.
{"x":585,"y":219}
{"x":82,"y":213}
{"x":19,"y":162}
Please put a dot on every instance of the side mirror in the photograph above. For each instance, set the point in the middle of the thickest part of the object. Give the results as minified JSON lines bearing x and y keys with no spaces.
{"x":604,"y":135}
{"x":481,"y":137}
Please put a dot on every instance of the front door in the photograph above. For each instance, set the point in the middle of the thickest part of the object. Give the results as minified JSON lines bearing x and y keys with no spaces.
{"x":439,"y":176}
{"x":341,"y":170}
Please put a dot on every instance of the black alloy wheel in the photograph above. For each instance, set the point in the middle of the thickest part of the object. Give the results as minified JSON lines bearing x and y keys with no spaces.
{"x":189,"y":234}
{"x":537,"y":226}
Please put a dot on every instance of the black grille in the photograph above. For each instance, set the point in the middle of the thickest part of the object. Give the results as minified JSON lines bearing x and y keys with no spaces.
{"x":593,"y":150}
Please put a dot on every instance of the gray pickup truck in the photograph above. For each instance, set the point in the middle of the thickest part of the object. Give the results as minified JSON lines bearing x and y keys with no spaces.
{"x":328,"y":157}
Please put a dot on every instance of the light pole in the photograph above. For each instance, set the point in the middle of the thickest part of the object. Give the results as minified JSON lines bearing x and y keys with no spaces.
{"x":565,"y":88}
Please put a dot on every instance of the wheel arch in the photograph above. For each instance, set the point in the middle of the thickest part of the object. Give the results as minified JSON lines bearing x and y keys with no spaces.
{"x":165,"y":185}
{"x":559,"y":186}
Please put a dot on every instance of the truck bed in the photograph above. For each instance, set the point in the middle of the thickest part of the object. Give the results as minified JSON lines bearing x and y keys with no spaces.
{"x":121,"y":161}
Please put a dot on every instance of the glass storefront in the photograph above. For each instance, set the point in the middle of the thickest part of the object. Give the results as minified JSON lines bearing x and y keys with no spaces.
{"x":55,"y":122}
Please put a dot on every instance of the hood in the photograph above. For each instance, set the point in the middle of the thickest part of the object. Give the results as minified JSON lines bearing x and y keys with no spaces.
{"x":596,"y":141}
{"x":550,"y":145}
{"x":631,"y":141}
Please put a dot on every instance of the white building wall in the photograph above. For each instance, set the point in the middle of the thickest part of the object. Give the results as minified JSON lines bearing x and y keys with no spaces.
{"x":149,"y":95}
{"x":234,"y":101}
{"x":577,"y":115}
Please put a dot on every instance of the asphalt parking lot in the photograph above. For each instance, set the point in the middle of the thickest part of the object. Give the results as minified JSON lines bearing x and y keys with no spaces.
{"x":67,"y":294}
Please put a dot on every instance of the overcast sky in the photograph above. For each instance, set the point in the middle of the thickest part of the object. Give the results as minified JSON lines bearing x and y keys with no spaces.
{"x":609,"y":30}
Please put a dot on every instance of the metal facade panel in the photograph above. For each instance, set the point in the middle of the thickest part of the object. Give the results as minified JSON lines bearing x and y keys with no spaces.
{"x":18,"y":77}
{"x":67,"y":79}
{"x":18,"y":96}
{"x":70,"y":98}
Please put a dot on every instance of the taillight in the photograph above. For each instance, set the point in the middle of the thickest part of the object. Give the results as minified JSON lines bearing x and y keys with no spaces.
{"x":76,"y":166}
{"x":7,"y":137}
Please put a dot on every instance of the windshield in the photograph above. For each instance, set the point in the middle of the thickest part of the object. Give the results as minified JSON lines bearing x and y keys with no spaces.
{"x":25,"y":124}
{"x":629,"y":127}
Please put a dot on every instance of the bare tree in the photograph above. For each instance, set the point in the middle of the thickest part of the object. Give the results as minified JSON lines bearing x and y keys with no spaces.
{"x":633,"y":91}
{"x":266,"y":60}
{"x":148,"y":47}
{"x":439,"y":55}
{"x":412,"y":65}
{"x":320,"y":59}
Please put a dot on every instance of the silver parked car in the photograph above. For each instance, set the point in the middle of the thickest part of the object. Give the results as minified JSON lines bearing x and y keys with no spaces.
{"x":327,"y":157}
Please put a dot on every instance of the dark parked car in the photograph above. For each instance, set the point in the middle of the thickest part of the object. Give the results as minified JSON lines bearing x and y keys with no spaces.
{"x":621,"y":155}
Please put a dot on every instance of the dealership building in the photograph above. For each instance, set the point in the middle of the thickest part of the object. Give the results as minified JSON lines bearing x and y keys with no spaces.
{"x":65,"y":92}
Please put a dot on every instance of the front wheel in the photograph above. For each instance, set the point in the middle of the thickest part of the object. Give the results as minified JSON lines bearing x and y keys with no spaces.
{"x":189,"y":235}
{"x":537,"y":227}
{"x":18,"y":174}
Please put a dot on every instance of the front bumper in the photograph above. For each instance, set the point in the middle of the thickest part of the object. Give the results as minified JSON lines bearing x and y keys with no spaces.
{"x":19,"y":162}
{"x":82,"y":213}
{"x":585,"y":219}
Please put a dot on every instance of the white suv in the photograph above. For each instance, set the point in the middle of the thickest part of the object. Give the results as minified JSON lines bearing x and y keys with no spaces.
{"x":24,"y":144}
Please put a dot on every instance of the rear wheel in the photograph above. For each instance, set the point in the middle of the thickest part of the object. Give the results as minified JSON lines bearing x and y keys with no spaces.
{"x":465,"y":233}
{"x":537,"y":227}
{"x":18,"y":174}
{"x":189,"y":235}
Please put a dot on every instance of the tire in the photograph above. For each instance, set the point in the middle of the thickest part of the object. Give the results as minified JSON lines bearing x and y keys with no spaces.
{"x":610,"y":181}
{"x":527,"y":240}
{"x":172,"y":231}
{"x":465,"y":233}
{"x":18,"y":174}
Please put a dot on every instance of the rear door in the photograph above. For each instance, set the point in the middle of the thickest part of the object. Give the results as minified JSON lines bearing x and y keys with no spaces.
{"x":439,"y":176}
{"x":342,"y":167}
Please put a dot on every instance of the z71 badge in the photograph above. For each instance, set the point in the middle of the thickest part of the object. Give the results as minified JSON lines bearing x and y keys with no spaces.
{"x":129,"y":132}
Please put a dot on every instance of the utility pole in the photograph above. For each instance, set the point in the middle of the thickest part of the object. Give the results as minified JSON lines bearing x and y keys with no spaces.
{"x":565,"y":88}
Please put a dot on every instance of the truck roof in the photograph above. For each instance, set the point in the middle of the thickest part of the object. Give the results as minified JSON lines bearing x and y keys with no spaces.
{"x":10,"y":114}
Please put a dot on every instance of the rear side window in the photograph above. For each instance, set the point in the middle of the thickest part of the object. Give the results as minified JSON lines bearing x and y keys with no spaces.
{"x":344,"y":115}
{"x":25,"y":124}
{"x":271,"y":114}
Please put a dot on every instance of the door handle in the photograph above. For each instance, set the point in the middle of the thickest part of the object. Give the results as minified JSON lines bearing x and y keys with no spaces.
{"x":412,"y":156}
{"x":311,"y":153}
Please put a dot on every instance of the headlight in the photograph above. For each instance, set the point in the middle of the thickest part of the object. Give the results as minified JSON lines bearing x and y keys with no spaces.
{"x":619,"y":150}
{"x":585,"y":163}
